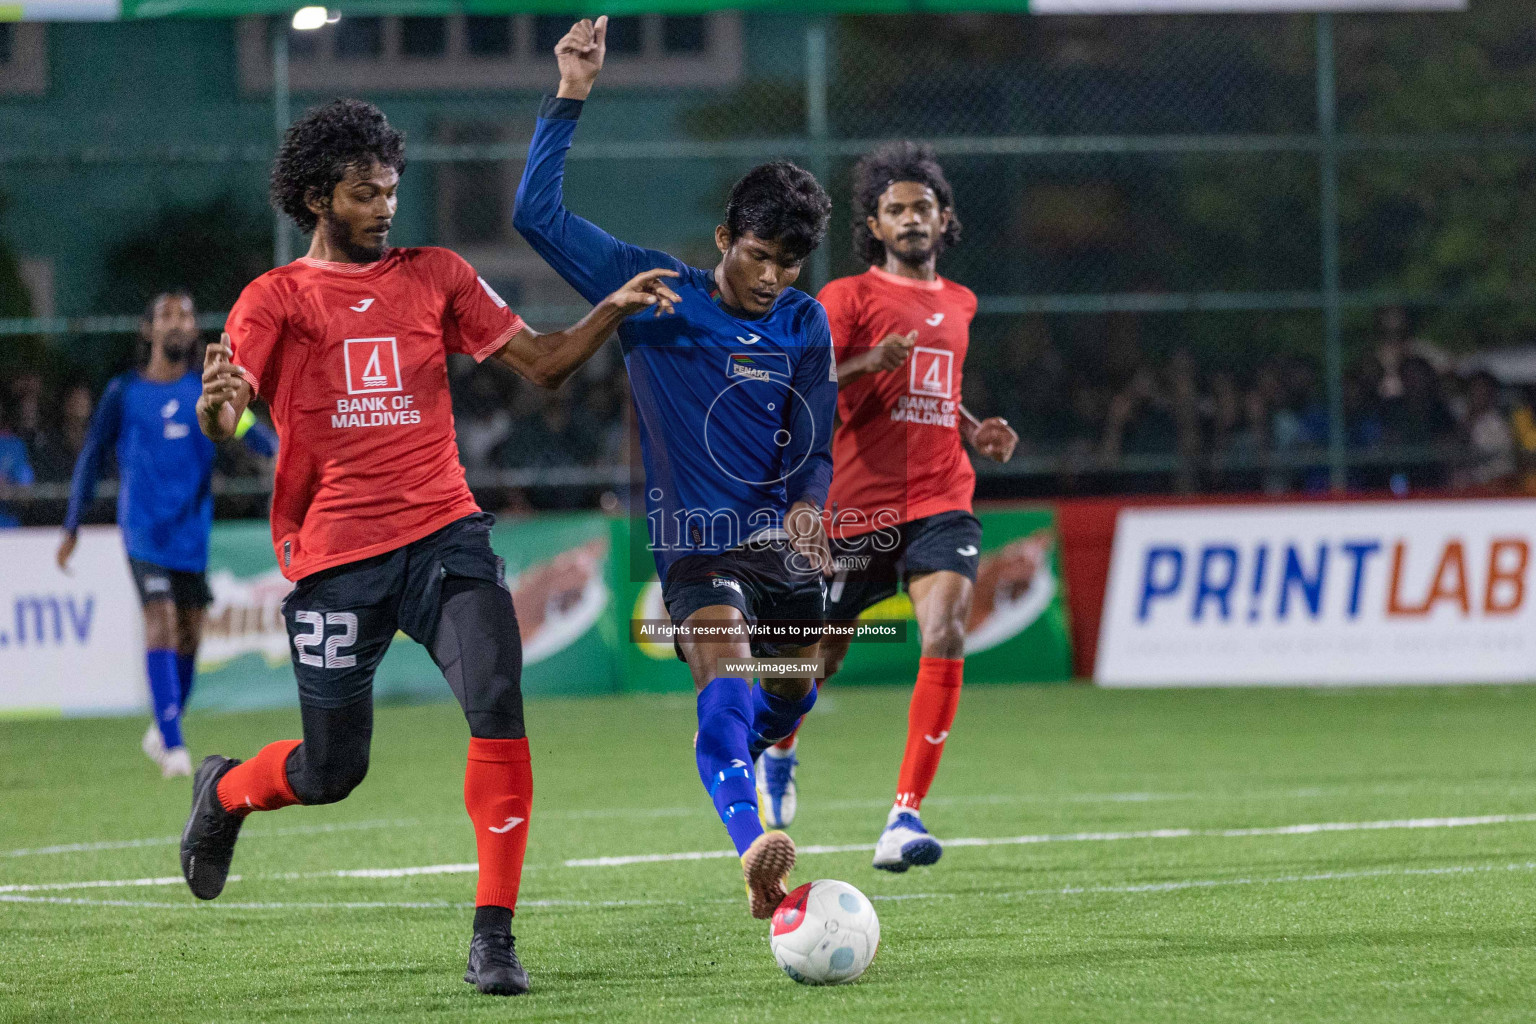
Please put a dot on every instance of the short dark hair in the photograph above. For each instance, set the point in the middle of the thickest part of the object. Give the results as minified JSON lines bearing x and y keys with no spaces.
{"x":780,"y":202}
{"x":319,"y":148}
{"x":878,"y":171}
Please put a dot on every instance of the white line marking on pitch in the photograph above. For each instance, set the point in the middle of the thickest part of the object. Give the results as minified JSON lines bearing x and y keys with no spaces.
{"x":1130,"y":889}
{"x":654,"y":858}
{"x":129,"y":844}
{"x":993,"y":799}
{"x":1093,"y":837}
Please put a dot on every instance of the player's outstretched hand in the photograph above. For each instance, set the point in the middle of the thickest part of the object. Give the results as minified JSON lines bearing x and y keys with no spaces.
{"x":892,"y":351}
{"x":646,"y":291}
{"x":580,"y":55}
{"x":808,"y":537}
{"x":66,"y":549}
{"x":221,"y":384}
{"x":995,"y":439}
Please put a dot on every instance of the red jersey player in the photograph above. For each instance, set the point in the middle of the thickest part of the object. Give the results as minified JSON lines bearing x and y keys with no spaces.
{"x":371,"y":515}
{"x":900,"y":502}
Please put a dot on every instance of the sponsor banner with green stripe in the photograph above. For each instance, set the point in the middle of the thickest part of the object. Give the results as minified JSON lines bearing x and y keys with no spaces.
{"x":581,"y":582}
{"x":557,"y":569}
{"x":1017,"y":631}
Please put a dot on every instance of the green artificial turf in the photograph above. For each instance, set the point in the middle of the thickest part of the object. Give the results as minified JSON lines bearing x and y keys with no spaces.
{"x":1380,"y":924}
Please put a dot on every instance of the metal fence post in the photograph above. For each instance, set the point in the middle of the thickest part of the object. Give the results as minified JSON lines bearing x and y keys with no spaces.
{"x":816,"y":127}
{"x":1333,"y":353}
{"x":282,"y":241}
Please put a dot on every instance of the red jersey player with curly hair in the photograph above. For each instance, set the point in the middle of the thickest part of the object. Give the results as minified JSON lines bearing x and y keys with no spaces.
{"x":901,"y":492}
{"x":371,"y":515}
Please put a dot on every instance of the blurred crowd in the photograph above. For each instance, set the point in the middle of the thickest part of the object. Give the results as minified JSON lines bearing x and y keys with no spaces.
{"x":1415,"y":418}
{"x":1123,"y":421}
{"x":503,"y":422}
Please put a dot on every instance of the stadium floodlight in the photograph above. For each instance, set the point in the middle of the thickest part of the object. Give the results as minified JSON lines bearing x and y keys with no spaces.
{"x":307,"y":19}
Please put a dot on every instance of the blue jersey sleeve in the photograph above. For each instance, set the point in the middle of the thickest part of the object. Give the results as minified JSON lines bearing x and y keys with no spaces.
{"x":810,"y":428}
{"x":589,"y":259}
{"x":106,"y":424}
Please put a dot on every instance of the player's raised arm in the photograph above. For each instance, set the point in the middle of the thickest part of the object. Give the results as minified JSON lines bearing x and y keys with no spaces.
{"x":589,"y":259}
{"x":548,"y":359}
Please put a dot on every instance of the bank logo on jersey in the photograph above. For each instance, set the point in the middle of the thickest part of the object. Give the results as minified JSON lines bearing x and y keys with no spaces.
{"x":931,"y":372}
{"x":764,"y":366}
{"x":373,"y":365}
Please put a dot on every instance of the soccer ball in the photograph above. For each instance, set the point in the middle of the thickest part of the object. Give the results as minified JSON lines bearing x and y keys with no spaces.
{"x":824,"y":933}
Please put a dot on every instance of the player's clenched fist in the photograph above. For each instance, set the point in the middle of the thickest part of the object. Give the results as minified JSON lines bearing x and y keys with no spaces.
{"x":222,"y":388}
{"x":891,"y":352}
{"x":646,"y":291}
{"x":995,"y":439}
{"x":580,"y":54}
{"x":808,"y":537}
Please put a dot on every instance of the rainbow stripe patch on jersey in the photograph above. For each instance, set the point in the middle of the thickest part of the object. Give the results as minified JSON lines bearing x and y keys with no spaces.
{"x":759,"y":365}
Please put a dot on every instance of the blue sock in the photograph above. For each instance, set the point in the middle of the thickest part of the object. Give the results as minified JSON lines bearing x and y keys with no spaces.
{"x":774,"y":717}
{"x":165,"y":695}
{"x":725,"y":768}
{"x":186,"y":671}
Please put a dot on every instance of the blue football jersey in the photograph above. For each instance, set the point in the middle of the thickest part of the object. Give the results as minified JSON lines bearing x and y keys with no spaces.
{"x":735,"y":414}
{"x":165,"y":469}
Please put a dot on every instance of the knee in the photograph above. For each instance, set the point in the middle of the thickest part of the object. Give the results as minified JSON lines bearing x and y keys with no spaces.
{"x":497,"y":725}
{"x":945,"y":638}
{"x":788,"y":688}
{"x":159,"y":628}
{"x":329,"y":782}
{"x":833,"y":652}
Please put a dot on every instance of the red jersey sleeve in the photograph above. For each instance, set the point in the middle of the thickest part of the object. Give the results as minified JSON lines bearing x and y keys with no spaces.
{"x":477,"y":321}
{"x":255,"y":325}
{"x":840,"y":299}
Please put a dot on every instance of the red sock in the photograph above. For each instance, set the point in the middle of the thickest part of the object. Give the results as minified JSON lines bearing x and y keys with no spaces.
{"x":260,"y":784}
{"x":931,"y":713}
{"x":498,"y":793}
{"x":788,"y":742}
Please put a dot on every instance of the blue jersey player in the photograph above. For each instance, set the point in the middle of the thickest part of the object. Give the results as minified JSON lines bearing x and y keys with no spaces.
{"x":164,"y":507}
{"x":735,"y":394}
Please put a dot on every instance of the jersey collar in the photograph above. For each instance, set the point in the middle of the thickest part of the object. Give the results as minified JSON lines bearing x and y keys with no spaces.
{"x":349,"y":268}
{"x":936,"y":285}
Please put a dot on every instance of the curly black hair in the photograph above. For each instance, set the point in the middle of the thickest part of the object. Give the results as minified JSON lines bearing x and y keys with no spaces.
{"x":780,"y":202}
{"x":321,"y":146}
{"x":883,"y":167}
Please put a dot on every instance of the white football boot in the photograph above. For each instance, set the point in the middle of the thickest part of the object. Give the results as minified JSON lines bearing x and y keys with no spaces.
{"x":175,"y":763}
{"x":776,"y":787}
{"x":905,"y":842}
{"x":152,"y":744}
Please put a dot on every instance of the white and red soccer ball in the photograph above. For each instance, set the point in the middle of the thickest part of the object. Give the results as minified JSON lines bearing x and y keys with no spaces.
{"x":825,"y":933}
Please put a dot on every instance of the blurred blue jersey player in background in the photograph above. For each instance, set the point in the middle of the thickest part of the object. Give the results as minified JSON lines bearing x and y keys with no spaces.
{"x":164,"y":506}
{"x":735,"y":394}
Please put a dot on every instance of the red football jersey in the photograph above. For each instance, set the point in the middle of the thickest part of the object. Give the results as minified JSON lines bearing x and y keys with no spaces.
{"x":897,"y":454}
{"x":352,"y":360}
